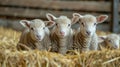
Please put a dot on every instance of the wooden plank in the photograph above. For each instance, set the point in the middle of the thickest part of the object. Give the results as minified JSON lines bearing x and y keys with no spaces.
{"x":60,"y":5}
{"x":115,"y":16}
{"x":33,"y":13}
{"x":14,"y":24}
{"x":30,"y":13}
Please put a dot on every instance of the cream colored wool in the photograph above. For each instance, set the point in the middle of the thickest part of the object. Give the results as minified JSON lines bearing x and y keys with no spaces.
{"x":61,"y":43}
{"x":30,"y":39}
{"x":111,"y":41}
{"x":85,"y":38}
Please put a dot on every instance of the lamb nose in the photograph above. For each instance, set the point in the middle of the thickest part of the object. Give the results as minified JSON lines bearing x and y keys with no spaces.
{"x":88,"y":32}
{"x":39,"y":36}
{"x":115,"y":46}
{"x":62,"y":32}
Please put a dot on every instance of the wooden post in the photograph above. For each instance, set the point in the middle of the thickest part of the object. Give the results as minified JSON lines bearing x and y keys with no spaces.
{"x":115,"y":15}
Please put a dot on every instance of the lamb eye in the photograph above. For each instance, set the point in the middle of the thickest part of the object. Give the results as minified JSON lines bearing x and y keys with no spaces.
{"x":109,"y":41}
{"x":82,"y":23}
{"x":68,"y":24}
{"x":56,"y":24}
{"x":32,"y":28}
{"x":95,"y":23}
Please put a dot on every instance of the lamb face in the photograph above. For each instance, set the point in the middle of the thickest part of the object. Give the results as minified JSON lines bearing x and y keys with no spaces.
{"x":36,"y":27}
{"x":88,"y":23}
{"x":63,"y":24}
{"x":112,"y":41}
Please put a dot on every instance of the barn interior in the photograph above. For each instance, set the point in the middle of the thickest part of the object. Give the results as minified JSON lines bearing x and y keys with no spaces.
{"x":12,"y":11}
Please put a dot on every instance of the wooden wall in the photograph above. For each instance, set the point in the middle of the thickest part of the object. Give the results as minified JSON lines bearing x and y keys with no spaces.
{"x":38,"y":8}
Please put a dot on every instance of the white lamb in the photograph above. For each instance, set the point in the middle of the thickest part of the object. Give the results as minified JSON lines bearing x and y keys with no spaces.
{"x":35,"y":35}
{"x":61,"y":34}
{"x":85,"y":38}
{"x":111,"y":41}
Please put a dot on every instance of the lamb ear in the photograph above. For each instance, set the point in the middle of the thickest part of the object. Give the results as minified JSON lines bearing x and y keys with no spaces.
{"x":101,"y":39}
{"x":25,"y":23}
{"x":50,"y":17}
{"x":76,"y":17}
{"x":101,"y":18}
{"x":49,"y":24}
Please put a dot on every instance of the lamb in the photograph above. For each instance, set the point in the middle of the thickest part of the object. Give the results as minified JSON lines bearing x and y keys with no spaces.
{"x":111,"y":41}
{"x":35,"y":35}
{"x":85,"y":38}
{"x":61,"y":34}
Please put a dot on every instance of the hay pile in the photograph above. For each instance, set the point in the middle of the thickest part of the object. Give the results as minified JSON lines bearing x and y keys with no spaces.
{"x":10,"y":57}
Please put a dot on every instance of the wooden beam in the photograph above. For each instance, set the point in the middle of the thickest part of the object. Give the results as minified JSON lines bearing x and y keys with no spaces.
{"x":115,"y":16}
{"x":30,"y":13}
{"x":39,"y":13}
{"x":60,"y":5}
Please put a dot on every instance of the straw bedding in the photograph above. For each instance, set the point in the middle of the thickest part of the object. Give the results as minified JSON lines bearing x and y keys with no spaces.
{"x":10,"y":57}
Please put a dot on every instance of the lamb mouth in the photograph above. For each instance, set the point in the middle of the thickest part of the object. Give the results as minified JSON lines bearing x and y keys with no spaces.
{"x":62,"y":36}
{"x":38,"y":39}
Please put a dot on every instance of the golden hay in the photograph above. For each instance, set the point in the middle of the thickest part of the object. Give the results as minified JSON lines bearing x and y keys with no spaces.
{"x":102,"y":33}
{"x":10,"y":57}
